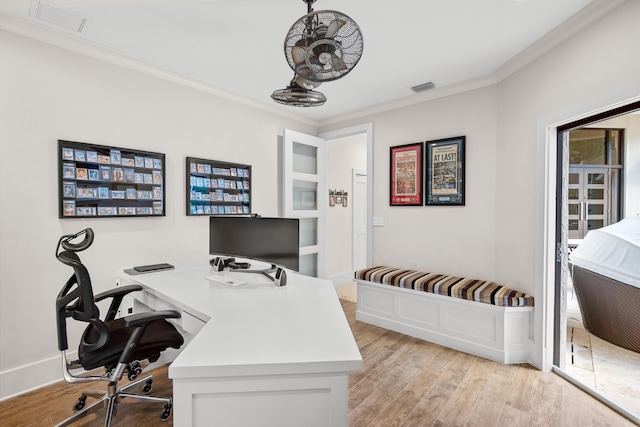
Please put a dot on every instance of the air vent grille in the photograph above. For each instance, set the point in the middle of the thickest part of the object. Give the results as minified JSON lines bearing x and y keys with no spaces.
{"x":57,"y":15}
{"x":423,"y":87}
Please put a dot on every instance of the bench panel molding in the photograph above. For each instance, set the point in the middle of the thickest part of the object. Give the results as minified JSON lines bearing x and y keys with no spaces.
{"x":498,"y":333}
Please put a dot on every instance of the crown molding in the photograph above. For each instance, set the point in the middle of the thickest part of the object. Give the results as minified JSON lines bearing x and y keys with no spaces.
{"x":407,"y":101}
{"x":77,"y":44}
{"x":563,"y":32}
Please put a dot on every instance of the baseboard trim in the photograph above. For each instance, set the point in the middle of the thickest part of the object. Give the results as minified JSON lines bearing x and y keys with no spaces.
{"x":342,"y":278}
{"x":26,"y":378}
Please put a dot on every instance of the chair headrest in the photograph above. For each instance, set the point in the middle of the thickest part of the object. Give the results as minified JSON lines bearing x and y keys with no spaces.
{"x":65,"y":241}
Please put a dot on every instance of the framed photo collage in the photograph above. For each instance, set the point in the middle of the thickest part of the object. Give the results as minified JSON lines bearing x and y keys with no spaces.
{"x":217,"y":188}
{"x":103,"y":181}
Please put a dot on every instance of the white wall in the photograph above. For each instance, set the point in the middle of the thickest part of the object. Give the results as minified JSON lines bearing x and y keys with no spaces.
{"x":343,"y":155}
{"x":48,"y":93}
{"x":446,"y":239}
{"x":501,"y":234}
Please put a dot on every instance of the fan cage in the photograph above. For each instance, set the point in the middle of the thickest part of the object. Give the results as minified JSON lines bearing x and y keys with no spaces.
{"x":345,"y":47}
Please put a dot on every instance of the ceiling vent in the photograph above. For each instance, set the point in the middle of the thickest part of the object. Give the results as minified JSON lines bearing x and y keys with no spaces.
{"x":423,"y":87}
{"x":60,"y":16}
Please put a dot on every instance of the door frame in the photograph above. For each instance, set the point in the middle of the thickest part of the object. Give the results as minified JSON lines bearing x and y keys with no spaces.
{"x":562,"y":169}
{"x":549,"y":127}
{"x":367,"y":129}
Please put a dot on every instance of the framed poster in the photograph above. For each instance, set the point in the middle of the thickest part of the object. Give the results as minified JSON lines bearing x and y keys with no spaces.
{"x":406,"y":175}
{"x":445,"y":171}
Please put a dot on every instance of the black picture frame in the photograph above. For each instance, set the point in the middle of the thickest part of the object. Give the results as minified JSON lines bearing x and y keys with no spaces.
{"x":405,"y":175}
{"x":88,"y":187}
{"x":445,"y":177}
{"x":215,"y":187}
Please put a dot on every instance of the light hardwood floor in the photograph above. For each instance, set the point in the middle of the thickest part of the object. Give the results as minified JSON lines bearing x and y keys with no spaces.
{"x":405,"y":382}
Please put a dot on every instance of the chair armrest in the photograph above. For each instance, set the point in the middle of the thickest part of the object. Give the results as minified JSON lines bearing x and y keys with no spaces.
{"x":117,"y":294}
{"x":140,"y":321}
{"x":150,"y":316}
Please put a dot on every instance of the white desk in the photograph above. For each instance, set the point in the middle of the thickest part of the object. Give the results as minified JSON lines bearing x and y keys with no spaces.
{"x":261,"y":355}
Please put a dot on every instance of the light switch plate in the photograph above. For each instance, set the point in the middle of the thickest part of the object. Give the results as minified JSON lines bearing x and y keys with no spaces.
{"x":378,"y":221}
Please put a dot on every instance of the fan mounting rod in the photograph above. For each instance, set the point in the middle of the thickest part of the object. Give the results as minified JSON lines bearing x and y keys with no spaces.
{"x":309,"y":3}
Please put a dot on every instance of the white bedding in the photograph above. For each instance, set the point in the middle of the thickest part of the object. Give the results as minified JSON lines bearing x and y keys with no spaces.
{"x":612,"y":251}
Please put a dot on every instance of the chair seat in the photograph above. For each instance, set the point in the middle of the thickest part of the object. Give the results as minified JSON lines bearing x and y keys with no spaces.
{"x":158,"y":336}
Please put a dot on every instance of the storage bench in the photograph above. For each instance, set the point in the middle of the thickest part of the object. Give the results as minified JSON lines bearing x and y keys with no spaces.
{"x":475,"y":316}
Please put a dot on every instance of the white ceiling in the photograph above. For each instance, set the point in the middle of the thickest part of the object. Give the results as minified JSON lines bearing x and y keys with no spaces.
{"x":237,"y":45}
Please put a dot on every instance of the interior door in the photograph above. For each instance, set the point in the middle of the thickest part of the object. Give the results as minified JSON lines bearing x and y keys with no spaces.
{"x":359,"y":204}
{"x":304,"y":179}
{"x":588,"y":205}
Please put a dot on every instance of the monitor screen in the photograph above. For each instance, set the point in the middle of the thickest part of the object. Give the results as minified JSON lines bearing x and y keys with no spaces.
{"x":272,"y":240}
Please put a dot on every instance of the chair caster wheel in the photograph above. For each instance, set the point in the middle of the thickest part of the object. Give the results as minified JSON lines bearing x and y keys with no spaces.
{"x":166,"y":413}
{"x":134,"y":369}
{"x":147,"y":387}
{"x":80,"y":403}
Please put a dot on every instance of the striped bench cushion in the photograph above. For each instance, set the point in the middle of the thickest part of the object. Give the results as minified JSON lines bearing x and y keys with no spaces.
{"x":456,"y":287}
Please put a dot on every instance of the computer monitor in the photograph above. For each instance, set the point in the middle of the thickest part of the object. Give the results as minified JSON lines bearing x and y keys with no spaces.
{"x":272,"y":240}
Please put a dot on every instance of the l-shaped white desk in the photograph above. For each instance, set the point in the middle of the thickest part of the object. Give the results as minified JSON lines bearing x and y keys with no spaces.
{"x":256,"y":354}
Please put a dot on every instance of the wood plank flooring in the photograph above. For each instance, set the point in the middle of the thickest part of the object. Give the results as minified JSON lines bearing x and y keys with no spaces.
{"x":409,"y":382}
{"x":404,"y":382}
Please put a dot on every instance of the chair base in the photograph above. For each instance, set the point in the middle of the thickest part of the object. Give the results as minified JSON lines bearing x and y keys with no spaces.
{"x":114,"y":397}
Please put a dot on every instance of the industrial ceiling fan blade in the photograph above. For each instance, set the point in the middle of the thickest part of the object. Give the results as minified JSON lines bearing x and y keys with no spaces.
{"x":299,"y":54}
{"x":337,"y":64}
{"x":334,"y":26}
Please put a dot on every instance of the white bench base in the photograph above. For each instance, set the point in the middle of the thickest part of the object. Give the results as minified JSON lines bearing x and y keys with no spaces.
{"x":502,"y":334}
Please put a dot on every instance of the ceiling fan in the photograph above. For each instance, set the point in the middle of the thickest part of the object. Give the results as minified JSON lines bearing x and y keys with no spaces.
{"x":320,"y":47}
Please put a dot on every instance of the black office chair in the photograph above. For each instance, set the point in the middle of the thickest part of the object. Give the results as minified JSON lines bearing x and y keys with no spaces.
{"x":115,"y":345}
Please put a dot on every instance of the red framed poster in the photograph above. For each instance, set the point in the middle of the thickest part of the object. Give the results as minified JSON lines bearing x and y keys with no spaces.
{"x":406,"y":175}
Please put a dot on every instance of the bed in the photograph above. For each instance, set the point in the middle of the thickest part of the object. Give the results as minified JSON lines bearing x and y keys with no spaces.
{"x":605,"y":268}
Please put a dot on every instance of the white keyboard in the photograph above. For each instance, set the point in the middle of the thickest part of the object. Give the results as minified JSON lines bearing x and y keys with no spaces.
{"x":225,"y":280}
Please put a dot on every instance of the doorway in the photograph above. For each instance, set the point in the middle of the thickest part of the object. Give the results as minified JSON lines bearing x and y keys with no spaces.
{"x":591,"y":194}
{"x":349,"y":242}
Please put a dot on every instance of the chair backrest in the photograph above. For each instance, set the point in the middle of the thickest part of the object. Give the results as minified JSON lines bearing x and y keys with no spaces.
{"x":76,"y":299}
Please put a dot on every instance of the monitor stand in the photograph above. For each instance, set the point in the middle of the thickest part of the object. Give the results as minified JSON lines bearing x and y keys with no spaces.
{"x":279,"y":278}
